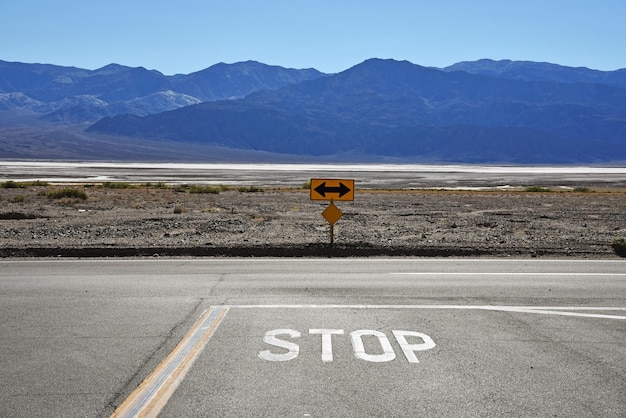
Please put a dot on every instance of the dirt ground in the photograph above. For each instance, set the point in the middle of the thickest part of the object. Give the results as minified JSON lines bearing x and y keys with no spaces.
{"x":152,"y":221}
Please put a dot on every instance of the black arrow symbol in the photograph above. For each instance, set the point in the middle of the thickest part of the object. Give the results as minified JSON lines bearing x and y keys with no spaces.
{"x":323,"y":189}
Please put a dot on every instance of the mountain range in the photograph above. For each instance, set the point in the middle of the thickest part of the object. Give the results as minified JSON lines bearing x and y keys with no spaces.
{"x":68,"y":94}
{"x":472,"y":112}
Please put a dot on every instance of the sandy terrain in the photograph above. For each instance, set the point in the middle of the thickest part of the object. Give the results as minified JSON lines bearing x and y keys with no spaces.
{"x":150,"y":221}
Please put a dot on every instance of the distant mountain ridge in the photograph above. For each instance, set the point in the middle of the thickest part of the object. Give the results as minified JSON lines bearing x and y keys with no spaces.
{"x":398,"y":109}
{"x":74,"y":95}
{"x":540,"y":71}
{"x":472,"y":112}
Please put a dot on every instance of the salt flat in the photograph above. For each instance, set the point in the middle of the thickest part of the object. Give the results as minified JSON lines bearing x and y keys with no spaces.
{"x":380,"y":176}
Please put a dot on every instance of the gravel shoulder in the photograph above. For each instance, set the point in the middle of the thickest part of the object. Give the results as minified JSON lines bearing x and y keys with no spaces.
{"x":150,"y":221}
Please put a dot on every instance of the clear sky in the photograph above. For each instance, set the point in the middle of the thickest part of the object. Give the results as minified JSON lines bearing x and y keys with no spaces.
{"x":183,"y":36}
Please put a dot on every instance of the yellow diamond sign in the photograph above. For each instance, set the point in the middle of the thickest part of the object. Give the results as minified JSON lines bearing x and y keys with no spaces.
{"x":332,"y":213}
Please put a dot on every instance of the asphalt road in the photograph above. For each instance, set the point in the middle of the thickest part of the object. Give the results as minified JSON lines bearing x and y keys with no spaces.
{"x":313,"y":337}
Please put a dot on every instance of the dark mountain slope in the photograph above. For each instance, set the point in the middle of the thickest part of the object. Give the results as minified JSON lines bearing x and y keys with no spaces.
{"x":236,"y":125}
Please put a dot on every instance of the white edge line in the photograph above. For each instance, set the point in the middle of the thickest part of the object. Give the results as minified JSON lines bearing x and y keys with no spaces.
{"x":563,"y":313}
{"x":544,"y":310}
{"x":435,"y":273}
{"x":484,"y":307}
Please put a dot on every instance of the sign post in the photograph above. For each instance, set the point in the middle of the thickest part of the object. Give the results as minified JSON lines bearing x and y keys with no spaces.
{"x":332,"y":214}
{"x":333,"y":190}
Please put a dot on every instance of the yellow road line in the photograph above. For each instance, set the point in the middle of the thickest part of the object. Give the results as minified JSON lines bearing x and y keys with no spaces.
{"x":152,"y":394}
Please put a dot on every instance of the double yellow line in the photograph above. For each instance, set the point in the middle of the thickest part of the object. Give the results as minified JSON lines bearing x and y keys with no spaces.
{"x":149,"y":398}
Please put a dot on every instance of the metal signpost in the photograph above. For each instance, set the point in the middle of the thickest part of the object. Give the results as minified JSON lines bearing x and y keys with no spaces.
{"x":333,"y":190}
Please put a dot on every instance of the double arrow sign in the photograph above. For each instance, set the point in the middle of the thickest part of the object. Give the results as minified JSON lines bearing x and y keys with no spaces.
{"x":332,"y":189}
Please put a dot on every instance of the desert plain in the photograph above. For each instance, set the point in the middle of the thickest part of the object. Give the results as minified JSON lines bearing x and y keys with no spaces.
{"x":129,"y":220}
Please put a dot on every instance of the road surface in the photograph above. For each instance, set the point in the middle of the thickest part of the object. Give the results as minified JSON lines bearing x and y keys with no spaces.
{"x":313,"y":337}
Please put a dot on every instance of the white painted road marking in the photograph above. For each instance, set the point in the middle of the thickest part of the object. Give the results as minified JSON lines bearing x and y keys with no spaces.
{"x":543,"y":310}
{"x":292,"y":348}
{"x":327,"y":342}
{"x":154,"y":392}
{"x":410,"y":349}
{"x":359,"y":348}
{"x":517,"y":273}
{"x":357,"y":344}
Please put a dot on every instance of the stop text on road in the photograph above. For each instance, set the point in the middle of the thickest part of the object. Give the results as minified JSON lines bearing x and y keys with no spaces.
{"x":420,"y":342}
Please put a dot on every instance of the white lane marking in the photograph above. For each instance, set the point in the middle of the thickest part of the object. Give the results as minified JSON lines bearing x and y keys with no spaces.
{"x":152,"y":394}
{"x":543,"y":310}
{"x":564,"y":313}
{"x":516,"y":273}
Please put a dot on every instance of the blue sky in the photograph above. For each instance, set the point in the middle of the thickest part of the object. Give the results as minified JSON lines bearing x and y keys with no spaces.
{"x":187,"y":35}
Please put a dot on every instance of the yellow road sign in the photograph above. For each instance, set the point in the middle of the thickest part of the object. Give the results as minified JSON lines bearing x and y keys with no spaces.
{"x":332,"y":214}
{"x":332,"y":189}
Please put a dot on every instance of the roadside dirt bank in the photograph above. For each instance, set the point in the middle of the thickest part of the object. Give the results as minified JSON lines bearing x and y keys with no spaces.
{"x":38,"y":221}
